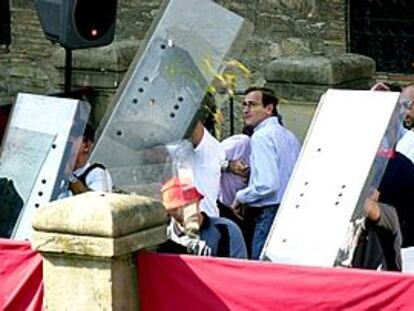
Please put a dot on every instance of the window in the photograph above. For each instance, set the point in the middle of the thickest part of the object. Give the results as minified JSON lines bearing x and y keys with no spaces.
{"x":5,"y":37}
{"x":384,"y":31}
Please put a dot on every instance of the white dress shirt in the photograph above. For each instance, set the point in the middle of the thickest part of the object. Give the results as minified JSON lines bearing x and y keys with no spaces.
{"x":207,"y":159}
{"x":201,"y":167}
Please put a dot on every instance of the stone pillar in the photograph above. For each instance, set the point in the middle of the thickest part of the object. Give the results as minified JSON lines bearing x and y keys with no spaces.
{"x":88,"y":244}
{"x":301,"y":80}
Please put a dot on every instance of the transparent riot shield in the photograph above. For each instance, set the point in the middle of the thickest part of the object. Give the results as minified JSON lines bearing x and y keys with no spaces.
{"x":37,"y":155}
{"x":21,"y":160}
{"x":162,"y":93}
{"x":342,"y":161}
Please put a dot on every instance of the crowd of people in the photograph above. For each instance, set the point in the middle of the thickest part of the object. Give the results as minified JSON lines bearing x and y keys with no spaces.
{"x":257,"y":164}
{"x":237,"y":184}
{"x":241,"y":180}
{"x":228,"y":208}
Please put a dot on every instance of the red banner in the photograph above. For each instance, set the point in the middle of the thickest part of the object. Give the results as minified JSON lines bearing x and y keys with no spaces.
{"x":20,"y":277}
{"x":170,"y":282}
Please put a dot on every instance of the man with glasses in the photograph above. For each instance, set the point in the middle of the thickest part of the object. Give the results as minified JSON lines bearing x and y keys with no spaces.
{"x":274,"y":150}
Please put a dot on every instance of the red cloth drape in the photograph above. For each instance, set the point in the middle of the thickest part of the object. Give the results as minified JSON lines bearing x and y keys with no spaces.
{"x":171,"y":282}
{"x":21,"y":285}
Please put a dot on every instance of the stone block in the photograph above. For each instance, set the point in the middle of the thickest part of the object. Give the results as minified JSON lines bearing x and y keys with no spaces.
{"x":48,"y":242}
{"x":320,"y":70}
{"x":97,"y":79}
{"x":269,"y":24}
{"x":295,"y":46}
{"x":88,"y":243}
{"x":112,"y":58}
{"x":98,"y":214}
{"x":312,"y":92}
{"x":89,"y":284}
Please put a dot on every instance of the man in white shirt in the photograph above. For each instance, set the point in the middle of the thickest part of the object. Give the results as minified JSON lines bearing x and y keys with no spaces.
{"x":206,"y":159}
{"x":274,"y":150}
{"x":198,"y":163}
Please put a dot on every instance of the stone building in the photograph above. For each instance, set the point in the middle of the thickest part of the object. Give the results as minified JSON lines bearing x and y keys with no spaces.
{"x":283,"y":28}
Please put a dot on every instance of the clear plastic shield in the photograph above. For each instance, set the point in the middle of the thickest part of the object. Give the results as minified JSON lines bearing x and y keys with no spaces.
{"x":37,"y":156}
{"x":342,"y":161}
{"x":23,"y":155}
{"x":163,"y":91}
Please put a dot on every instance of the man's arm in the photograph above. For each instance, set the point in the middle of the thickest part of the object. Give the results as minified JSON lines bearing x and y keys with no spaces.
{"x":264,"y":180}
{"x":96,"y":180}
{"x":78,"y":187}
{"x":237,"y":167}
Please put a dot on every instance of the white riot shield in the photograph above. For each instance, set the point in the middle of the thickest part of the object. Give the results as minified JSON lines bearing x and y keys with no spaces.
{"x":336,"y":169}
{"x":163,"y":91}
{"x":37,"y":156}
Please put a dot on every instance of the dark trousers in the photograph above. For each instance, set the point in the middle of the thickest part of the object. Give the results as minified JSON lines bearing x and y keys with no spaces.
{"x":255,"y":225}
{"x":261,"y":220}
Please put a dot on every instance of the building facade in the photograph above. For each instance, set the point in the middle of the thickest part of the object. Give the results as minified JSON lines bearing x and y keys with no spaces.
{"x":283,"y":28}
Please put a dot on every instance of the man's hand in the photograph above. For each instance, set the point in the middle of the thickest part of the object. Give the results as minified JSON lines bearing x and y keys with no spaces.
{"x":239,"y":209}
{"x":77,"y":187}
{"x":198,"y":247}
{"x":371,"y":206}
{"x":236,"y":204}
{"x":240,"y":168}
{"x":380,"y":86}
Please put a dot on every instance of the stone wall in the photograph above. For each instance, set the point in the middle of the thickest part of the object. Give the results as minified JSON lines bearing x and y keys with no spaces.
{"x":291,"y":27}
{"x":4,"y":85}
{"x":282,"y":27}
{"x":29,"y":67}
{"x":286,"y":28}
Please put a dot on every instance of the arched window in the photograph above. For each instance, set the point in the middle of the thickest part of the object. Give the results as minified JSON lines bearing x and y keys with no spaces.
{"x":5,"y":37}
{"x":384,"y":31}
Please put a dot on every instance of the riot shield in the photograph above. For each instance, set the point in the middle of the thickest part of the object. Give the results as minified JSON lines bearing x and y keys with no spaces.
{"x":343,"y":158}
{"x":22,"y":157}
{"x":37,"y":155}
{"x":163,"y":91}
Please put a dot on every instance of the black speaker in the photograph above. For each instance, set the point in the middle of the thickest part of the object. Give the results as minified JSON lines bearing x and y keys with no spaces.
{"x":78,"y":24}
